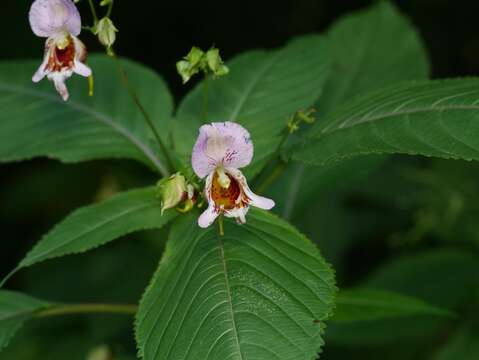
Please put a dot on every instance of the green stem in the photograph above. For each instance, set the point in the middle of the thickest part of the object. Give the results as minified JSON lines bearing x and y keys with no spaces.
{"x":88,"y":309}
{"x":205,"y":98}
{"x":123,"y":75}
{"x":221,"y":225}
{"x":110,"y":8}
{"x":93,"y":11}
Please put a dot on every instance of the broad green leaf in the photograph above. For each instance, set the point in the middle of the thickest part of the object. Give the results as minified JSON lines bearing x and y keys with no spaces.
{"x":430,"y":118}
{"x":261,"y":91}
{"x":35,"y":121}
{"x":363,"y":59}
{"x":95,"y":225}
{"x":260,"y":292}
{"x":363,"y":304}
{"x":15,"y":309}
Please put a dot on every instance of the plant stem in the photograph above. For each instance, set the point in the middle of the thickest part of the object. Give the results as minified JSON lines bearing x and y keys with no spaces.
{"x":88,"y":309}
{"x":93,"y":11}
{"x":221,"y":225}
{"x":110,"y":8}
{"x":205,"y":98}
{"x":123,"y":75}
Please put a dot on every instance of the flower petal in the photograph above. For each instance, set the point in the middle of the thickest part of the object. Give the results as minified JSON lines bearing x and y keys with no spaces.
{"x":238,"y":213}
{"x":41,"y":72}
{"x":208,"y":216}
{"x":81,"y":69}
{"x":221,"y":144}
{"x":53,"y":17}
{"x":254,"y":200}
{"x":59,"y":79}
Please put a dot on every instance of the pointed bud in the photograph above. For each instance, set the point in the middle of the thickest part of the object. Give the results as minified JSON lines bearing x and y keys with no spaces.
{"x":215,"y":63}
{"x":106,"y":31}
{"x":191,"y":64}
{"x":106,"y":2}
{"x":175,"y":190}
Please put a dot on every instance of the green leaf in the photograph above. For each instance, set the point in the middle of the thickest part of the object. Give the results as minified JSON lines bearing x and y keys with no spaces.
{"x":262,"y":89}
{"x":365,"y":58}
{"x":35,"y":121}
{"x":378,"y":62}
{"x":362,"y":304}
{"x":98,"y":224}
{"x":260,"y":292}
{"x":431,"y":118}
{"x":15,"y":309}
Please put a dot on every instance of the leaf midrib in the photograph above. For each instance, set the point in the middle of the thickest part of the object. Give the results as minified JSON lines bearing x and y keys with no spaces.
{"x":105,"y":119}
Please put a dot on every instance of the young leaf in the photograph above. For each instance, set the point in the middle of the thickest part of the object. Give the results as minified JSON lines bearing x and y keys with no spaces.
{"x":260,"y":292}
{"x":363,"y":304}
{"x":262,"y":89}
{"x":98,"y":224}
{"x":35,"y":121}
{"x":15,"y":309}
{"x":432,"y":118}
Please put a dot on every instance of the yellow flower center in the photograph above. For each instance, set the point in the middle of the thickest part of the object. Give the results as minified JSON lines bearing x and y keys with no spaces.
{"x":225,"y":193}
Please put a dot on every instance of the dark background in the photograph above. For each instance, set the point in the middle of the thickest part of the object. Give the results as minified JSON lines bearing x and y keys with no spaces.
{"x":36,"y":194}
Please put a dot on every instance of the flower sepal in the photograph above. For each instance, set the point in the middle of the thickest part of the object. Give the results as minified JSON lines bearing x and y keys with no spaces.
{"x":176,"y":192}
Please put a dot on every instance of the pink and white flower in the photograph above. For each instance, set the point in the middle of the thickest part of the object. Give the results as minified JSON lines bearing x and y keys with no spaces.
{"x":59,"y":21}
{"x":221,"y":149}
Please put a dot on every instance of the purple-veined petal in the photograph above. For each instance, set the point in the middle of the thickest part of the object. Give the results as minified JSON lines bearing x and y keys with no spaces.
{"x":254,"y":200}
{"x":221,"y":144}
{"x":54,"y":17}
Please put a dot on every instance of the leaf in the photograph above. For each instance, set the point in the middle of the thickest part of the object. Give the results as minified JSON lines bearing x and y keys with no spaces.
{"x":356,"y":36}
{"x":445,"y":278}
{"x":98,"y":224}
{"x":430,"y":118}
{"x":15,"y":309}
{"x":362,"y":304}
{"x":262,"y":89}
{"x":260,"y":292}
{"x":36,"y":122}
{"x":365,"y":58}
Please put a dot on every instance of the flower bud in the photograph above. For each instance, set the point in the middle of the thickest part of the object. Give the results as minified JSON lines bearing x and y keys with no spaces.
{"x":191,"y":64}
{"x":215,"y":63}
{"x":106,"y":31}
{"x":175,"y":190}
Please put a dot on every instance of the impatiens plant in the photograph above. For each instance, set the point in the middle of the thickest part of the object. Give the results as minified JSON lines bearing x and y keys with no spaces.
{"x":236,"y":280}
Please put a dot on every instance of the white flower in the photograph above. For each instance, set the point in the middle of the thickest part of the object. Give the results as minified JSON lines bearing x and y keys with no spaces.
{"x":59,"y":21}
{"x":220,"y":150}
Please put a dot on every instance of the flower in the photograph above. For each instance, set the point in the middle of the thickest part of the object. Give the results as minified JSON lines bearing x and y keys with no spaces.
{"x":59,"y":21}
{"x":106,"y":32}
{"x":222,"y":148}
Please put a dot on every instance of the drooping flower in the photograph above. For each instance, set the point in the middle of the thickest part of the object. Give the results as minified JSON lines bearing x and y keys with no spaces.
{"x":221,"y":149}
{"x":59,"y":21}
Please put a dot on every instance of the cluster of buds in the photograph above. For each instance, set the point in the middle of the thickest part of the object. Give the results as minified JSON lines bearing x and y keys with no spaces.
{"x":197,"y":60}
{"x":175,"y":191}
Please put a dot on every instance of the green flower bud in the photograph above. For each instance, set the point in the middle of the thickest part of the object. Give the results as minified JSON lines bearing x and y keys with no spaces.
{"x":106,"y":2}
{"x":215,"y":63}
{"x":100,"y":353}
{"x":175,"y":190}
{"x":106,"y":31}
{"x":191,"y":64}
